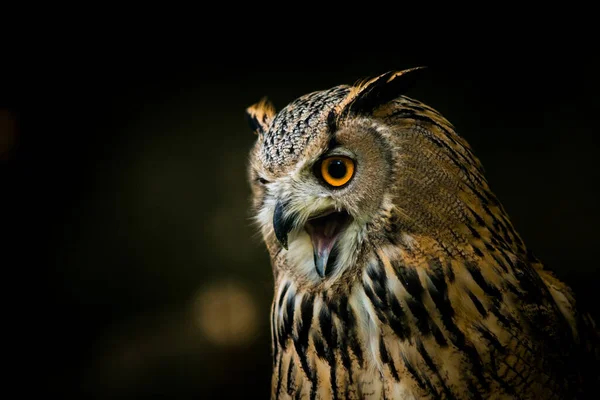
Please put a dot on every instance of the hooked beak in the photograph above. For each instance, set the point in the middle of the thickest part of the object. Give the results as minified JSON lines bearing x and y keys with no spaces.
{"x":324,"y":230}
{"x":282,"y":223}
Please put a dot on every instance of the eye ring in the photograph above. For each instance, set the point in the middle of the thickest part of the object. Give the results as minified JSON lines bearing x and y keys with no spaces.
{"x":337,"y":171}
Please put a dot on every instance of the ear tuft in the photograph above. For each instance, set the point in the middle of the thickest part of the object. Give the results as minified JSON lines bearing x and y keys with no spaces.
{"x":382,"y":89}
{"x":260,"y":116}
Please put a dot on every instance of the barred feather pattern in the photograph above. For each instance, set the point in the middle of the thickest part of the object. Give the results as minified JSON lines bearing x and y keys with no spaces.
{"x":417,"y":327}
{"x":442,"y":299}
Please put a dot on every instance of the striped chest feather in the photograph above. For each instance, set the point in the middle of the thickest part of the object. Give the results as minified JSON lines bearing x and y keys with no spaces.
{"x":410,"y":327}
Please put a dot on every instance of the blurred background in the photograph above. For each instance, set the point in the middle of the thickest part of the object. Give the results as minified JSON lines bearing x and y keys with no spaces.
{"x":137,"y":271}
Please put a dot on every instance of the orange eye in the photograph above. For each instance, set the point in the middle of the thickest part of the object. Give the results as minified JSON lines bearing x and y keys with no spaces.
{"x":337,"y":170}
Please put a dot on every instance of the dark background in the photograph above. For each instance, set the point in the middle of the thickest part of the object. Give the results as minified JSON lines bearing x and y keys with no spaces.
{"x":125,"y":175}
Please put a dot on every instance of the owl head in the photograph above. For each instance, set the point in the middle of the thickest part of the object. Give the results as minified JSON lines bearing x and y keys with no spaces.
{"x":351,"y":166}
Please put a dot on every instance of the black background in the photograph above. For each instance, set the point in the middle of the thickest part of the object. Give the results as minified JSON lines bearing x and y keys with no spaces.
{"x":127,"y":192}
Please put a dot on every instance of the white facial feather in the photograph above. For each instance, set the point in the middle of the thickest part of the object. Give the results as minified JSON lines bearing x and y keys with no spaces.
{"x":300,"y":256}
{"x":305,"y":200}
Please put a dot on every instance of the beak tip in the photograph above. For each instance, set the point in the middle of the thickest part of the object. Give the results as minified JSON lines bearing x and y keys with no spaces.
{"x":282,"y":239}
{"x":320,"y":264}
{"x":282,"y":244}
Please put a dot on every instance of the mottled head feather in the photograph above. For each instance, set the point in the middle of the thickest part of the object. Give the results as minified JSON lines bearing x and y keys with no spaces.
{"x":260,"y":116}
{"x":298,"y":124}
{"x":316,"y":115}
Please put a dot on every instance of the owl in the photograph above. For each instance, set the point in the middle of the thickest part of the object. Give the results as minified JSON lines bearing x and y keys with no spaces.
{"x":397,"y":272}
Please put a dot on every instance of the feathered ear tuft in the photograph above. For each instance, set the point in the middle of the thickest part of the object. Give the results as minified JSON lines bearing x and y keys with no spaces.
{"x":382,"y":89}
{"x":260,"y":116}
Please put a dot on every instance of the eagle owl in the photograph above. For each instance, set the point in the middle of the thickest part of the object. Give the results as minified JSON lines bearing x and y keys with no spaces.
{"x":398,"y":274}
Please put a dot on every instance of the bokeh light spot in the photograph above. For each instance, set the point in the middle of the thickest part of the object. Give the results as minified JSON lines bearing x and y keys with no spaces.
{"x":226,"y":313}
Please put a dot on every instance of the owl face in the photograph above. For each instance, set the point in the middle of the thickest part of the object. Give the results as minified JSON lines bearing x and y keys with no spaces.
{"x":321,"y":176}
{"x":318,"y":208}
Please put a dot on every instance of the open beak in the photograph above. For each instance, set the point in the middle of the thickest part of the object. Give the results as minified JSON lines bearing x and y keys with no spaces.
{"x":324,"y":229}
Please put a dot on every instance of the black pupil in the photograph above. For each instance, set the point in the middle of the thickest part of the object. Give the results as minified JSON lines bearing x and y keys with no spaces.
{"x":336,"y":169}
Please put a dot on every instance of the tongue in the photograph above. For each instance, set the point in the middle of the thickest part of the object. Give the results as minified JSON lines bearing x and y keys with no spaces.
{"x":324,"y":232}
